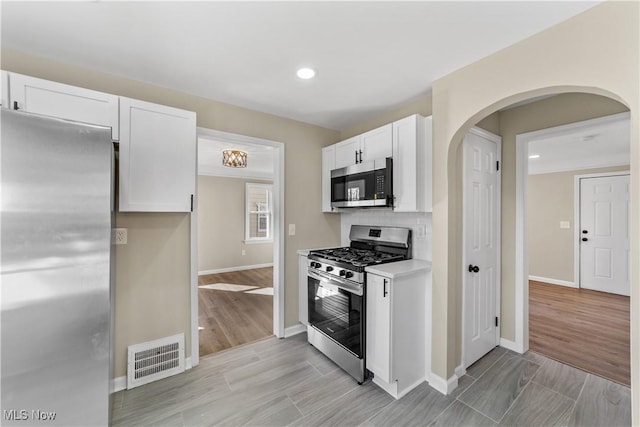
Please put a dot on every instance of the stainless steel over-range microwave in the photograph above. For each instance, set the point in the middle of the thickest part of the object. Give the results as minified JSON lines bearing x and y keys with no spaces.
{"x":367,"y":184}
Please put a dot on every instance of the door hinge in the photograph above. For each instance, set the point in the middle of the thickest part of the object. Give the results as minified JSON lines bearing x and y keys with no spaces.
{"x":192,"y":203}
{"x":496,"y":321}
{"x":497,"y":165}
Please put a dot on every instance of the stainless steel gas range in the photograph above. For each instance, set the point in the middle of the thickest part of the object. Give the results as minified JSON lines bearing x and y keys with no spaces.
{"x":337,"y":292}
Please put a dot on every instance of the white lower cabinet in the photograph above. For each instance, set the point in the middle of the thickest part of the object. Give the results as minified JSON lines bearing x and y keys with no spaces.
{"x":395,"y":331}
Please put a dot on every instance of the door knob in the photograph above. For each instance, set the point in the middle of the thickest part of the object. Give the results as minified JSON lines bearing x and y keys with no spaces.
{"x":584,"y":239}
{"x":473,"y":268}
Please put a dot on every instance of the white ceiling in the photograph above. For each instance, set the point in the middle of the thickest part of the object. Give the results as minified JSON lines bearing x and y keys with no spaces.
{"x":370,"y":56}
{"x":582,"y":146}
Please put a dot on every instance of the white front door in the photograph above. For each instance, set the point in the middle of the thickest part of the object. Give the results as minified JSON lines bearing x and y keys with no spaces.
{"x":604,"y":234}
{"x":481,"y":250}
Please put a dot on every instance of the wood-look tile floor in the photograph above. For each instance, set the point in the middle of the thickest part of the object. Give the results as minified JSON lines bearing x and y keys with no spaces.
{"x":280,"y":382}
{"x":583,"y":328}
{"x":231,"y":318}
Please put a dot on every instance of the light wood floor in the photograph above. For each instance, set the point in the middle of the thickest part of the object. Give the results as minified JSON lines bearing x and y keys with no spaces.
{"x":583,"y":328}
{"x":232,"y":318}
{"x":280,"y":382}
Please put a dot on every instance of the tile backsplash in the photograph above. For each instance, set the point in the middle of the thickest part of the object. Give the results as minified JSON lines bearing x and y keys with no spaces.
{"x":420,"y":224}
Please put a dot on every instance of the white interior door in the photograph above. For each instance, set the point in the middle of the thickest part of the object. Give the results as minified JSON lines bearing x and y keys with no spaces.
{"x":604,"y":234}
{"x":481,"y":262}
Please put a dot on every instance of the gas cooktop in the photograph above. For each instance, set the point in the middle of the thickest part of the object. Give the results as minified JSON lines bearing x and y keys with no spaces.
{"x":356,"y":257}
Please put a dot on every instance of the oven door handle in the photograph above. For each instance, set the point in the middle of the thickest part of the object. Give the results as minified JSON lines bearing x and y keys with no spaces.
{"x":354,"y":288}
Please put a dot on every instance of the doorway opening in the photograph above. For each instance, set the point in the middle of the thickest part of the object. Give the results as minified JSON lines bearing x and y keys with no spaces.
{"x":573,"y":202}
{"x":237,"y":243}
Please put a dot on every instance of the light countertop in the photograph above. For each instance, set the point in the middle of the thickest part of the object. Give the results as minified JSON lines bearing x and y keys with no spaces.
{"x":393,"y":270}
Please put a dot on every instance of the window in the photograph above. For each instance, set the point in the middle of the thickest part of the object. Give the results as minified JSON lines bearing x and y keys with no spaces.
{"x":258,"y":215}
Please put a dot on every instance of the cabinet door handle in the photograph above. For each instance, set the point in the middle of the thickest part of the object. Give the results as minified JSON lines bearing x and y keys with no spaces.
{"x":356,"y":157}
{"x":360,"y":156}
{"x":384,"y":289}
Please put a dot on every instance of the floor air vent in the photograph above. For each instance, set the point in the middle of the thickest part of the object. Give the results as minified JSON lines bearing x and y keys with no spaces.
{"x":153,"y":360}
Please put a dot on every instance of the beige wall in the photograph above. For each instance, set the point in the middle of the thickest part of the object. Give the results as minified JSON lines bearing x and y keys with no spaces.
{"x":420,"y":105}
{"x":550,"y":199}
{"x":221,"y":225}
{"x":152,"y":271}
{"x":594,"y":52}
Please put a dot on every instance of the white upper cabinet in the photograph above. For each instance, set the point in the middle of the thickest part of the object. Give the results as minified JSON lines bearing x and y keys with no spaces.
{"x":63,"y":101}
{"x":372,"y":145}
{"x":4,"y":86}
{"x":376,"y":144}
{"x":412,"y":164}
{"x":408,"y":142}
{"x":157,"y":157}
{"x":328,"y":164}
{"x":347,"y":152}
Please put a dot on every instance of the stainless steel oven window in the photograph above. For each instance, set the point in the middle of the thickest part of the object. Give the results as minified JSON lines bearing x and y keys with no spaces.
{"x":337,"y":313}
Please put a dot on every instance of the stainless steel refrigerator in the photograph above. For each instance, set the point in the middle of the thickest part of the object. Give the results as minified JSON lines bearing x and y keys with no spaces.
{"x":56,"y":297}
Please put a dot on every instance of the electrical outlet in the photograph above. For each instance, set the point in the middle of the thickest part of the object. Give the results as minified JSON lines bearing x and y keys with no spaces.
{"x":244,"y":252}
{"x":292,"y":229}
{"x":565,"y":224}
{"x":120,"y":236}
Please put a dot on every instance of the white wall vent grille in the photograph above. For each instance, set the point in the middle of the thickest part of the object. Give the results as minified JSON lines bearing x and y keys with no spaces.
{"x":154,"y":360}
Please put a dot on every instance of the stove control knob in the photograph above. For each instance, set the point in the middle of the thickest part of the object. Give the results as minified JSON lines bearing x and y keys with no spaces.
{"x":329,"y":268}
{"x":348,"y":274}
{"x":342,"y":272}
{"x":315,"y":264}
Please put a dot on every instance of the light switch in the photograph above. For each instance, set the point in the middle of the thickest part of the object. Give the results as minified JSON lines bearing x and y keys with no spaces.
{"x":292,"y":229}
{"x":565,"y":224}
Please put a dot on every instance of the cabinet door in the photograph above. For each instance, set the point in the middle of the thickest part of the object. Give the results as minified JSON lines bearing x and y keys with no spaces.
{"x":379,"y":340}
{"x":63,"y":101}
{"x":347,"y":152}
{"x":328,"y":164}
{"x":377,"y":143}
{"x":157,"y":157}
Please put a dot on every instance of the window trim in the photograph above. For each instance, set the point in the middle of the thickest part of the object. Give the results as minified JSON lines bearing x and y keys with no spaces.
{"x":248,"y":211}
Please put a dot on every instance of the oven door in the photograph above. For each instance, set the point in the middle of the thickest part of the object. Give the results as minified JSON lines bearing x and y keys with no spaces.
{"x":336,"y":309}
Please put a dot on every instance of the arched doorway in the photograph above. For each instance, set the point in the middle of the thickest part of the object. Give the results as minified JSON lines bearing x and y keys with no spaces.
{"x":596,"y":52}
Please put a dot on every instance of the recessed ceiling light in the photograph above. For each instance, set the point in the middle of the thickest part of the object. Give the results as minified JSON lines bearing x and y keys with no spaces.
{"x":534,"y":156}
{"x":306,"y":73}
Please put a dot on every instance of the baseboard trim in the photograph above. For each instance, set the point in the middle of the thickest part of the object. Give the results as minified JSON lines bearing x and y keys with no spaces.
{"x":120,"y":383}
{"x":553,"y":281}
{"x":460,"y":370}
{"x":238,"y":268}
{"x":510,"y":345}
{"x":443,"y":386}
{"x":294,"y":330}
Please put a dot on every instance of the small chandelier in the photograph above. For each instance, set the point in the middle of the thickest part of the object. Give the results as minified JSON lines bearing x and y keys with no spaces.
{"x":234,"y":158}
